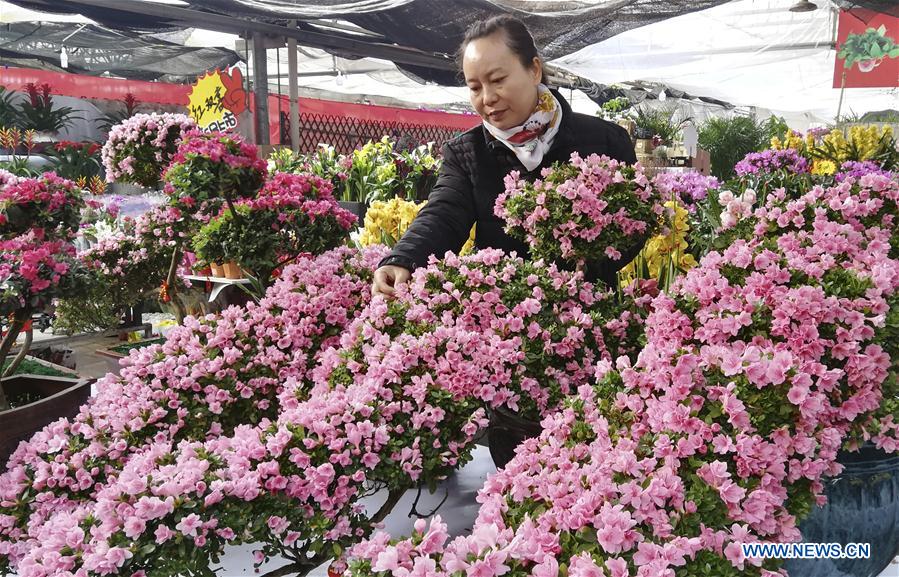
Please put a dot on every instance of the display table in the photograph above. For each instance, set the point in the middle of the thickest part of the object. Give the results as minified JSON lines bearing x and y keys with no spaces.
{"x":458,"y":511}
{"x":218,"y":283}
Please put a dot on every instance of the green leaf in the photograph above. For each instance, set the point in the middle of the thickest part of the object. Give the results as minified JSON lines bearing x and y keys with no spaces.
{"x":882,"y":30}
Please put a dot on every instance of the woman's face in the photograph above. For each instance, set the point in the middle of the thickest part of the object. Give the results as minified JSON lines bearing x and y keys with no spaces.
{"x":502,"y":91}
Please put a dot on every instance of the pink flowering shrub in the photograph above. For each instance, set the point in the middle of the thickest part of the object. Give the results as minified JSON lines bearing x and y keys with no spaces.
{"x":38,"y":220}
{"x":165,"y":226}
{"x":590,"y":209}
{"x":141,"y":147}
{"x":211,"y":168}
{"x":208,"y":379}
{"x":554,"y":324}
{"x":293,"y":214}
{"x":292,"y":485}
{"x":126,"y":265}
{"x":34,"y":271}
{"x":7,"y":178}
{"x":48,"y":202}
{"x":760,"y":364}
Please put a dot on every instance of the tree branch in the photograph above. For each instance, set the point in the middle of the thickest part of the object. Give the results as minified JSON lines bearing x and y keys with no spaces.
{"x":9,"y":339}
{"x":414,"y":509}
{"x":23,"y":352}
{"x":393,"y":497}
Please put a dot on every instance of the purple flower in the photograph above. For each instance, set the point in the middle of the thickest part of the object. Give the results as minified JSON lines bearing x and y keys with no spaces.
{"x":772,"y":160}
{"x":856,"y":170}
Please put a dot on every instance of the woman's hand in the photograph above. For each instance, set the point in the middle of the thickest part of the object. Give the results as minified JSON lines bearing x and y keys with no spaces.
{"x":387,"y":278}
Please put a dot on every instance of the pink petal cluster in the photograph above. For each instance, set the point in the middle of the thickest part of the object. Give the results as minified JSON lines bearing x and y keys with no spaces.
{"x":211,"y":377}
{"x":209,"y":167}
{"x":550,"y":325}
{"x":761,"y":364}
{"x":687,"y":187}
{"x":311,"y":194}
{"x":140,"y":147}
{"x":590,"y":209}
{"x":47,"y":202}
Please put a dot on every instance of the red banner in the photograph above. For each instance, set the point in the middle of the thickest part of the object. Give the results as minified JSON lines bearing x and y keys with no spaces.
{"x":867,"y":50}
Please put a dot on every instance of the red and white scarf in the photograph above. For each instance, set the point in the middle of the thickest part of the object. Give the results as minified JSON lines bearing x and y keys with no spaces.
{"x":532,"y":139}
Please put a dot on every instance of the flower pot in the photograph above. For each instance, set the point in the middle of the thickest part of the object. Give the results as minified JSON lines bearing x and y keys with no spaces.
{"x":61,"y":397}
{"x":217,"y":270}
{"x":862,"y":507}
{"x":206,"y":271}
{"x":45,"y":136}
{"x":357,"y":208}
{"x":505,"y":432}
{"x":868,"y":65}
{"x":232,"y":270}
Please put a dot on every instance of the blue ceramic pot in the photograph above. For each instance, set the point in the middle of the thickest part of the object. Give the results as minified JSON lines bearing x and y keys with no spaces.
{"x":862,"y":507}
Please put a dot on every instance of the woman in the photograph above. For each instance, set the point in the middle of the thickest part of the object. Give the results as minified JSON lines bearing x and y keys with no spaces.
{"x":526,"y":127}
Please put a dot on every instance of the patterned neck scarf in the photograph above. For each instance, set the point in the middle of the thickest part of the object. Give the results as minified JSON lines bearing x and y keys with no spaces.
{"x":532,"y":139}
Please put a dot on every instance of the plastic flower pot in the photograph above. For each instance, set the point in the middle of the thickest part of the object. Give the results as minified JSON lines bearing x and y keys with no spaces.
{"x":357,"y":208}
{"x":862,"y":507}
{"x":506,"y":431}
{"x":232,"y":270}
{"x":52,"y":398}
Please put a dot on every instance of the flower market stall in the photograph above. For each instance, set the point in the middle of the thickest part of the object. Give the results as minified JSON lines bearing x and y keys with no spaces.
{"x":700,"y":404}
{"x":696,"y":356}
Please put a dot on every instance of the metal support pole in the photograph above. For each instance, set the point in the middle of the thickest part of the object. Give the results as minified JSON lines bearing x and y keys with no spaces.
{"x":260,"y":87}
{"x":293,"y":91}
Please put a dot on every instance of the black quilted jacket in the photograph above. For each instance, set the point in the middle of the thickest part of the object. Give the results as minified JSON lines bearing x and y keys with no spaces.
{"x":474,"y":165}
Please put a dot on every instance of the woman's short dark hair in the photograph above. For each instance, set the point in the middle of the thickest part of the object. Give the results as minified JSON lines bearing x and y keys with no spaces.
{"x":518,"y":38}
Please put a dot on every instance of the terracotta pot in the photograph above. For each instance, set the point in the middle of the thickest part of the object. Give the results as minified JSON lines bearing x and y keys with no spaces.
{"x":232,"y":270}
{"x":217,"y":270}
{"x":62,"y":397}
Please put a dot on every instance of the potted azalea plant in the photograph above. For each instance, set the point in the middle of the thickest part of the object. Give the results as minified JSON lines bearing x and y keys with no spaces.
{"x":588,"y":210}
{"x":727,"y":429}
{"x":140,"y":148}
{"x":209,"y":172}
{"x":293,"y":214}
{"x":257,"y":429}
{"x":38,"y":219}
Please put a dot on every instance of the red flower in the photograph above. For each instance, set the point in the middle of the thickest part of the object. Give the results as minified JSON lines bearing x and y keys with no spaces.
{"x":45,"y":91}
{"x":31,"y":88}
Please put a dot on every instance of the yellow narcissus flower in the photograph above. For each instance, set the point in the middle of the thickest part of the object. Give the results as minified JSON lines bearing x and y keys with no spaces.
{"x":468,"y":247}
{"x":387,"y":221}
{"x":664,"y":255}
{"x":824,"y":167}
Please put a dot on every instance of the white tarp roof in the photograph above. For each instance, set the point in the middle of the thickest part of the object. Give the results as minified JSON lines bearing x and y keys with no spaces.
{"x":746,"y":52}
